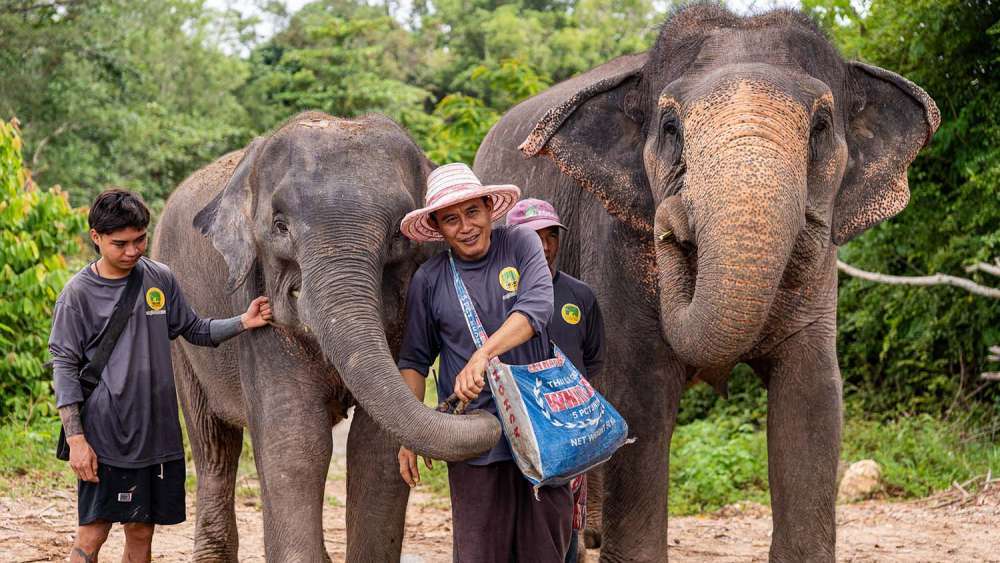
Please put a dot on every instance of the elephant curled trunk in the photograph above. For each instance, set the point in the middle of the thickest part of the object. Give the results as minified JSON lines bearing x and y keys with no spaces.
{"x":339,"y":298}
{"x":744,"y":196}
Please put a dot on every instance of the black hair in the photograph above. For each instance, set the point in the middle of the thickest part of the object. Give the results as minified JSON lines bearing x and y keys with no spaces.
{"x":117,"y":209}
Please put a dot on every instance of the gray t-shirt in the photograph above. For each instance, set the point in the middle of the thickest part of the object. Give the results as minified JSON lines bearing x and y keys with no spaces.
{"x":576,"y":326}
{"x":513,"y":276}
{"x":130,"y":420}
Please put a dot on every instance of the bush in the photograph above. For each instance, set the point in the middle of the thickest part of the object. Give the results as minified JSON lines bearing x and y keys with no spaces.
{"x":716,"y":462}
{"x":37,"y":229}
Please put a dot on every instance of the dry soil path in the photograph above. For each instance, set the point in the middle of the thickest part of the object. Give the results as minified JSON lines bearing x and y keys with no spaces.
{"x":949,"y":527}
{"x":41,"y":528}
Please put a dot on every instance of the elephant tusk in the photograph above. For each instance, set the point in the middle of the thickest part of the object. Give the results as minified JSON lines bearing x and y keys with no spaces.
{"x":665,"y":235}
{"x":295,"y":294}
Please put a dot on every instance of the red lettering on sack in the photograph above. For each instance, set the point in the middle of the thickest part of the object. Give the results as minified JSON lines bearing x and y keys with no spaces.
{"x":572,"y":397}
{"x":545,"y":364}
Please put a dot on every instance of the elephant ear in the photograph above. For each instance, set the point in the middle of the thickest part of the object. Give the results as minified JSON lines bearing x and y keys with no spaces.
{"x":890,"y":120}
{"x":592,"y":130}
{"x":227,"y":219}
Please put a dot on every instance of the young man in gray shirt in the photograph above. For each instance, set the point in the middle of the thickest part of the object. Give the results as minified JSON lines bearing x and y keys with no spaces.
{"x":127,"y":449}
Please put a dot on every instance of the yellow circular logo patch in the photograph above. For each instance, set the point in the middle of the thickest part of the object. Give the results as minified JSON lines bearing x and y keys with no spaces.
{"x":571,"y":313}
{"x":509,"y":277}
{"x":155,"y":298}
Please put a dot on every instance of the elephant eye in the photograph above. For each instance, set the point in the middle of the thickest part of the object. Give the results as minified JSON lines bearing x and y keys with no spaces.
{"x":670,"y":127}
{"x":280,"y":226}
{"x":821,"y":125}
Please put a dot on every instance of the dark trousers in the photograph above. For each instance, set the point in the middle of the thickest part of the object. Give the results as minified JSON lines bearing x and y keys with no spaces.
{"x":496,"y":519}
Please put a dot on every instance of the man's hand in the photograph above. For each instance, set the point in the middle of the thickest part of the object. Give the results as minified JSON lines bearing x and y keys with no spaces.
{"x":258,"y":313}
{"x":471,"y":379}
{"x":408,"y":466}
{"x":82,"y":459}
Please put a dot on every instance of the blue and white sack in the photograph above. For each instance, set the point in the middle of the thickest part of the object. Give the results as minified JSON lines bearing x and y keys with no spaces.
{"x":558,"y":426}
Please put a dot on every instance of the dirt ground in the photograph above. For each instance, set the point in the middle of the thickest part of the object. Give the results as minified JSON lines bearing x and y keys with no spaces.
{"x":949,"y":527}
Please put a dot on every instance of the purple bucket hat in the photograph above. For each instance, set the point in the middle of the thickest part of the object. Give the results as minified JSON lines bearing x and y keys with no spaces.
{"x":535,"y":213}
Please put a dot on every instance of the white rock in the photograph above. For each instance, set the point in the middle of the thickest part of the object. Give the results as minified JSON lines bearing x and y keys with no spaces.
{"x":862,"y":479}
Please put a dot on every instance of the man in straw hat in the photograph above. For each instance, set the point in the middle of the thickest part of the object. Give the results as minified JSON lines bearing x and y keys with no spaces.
{"x":495,"y":516}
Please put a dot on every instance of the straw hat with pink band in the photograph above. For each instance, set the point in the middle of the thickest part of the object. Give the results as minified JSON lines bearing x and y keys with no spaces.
{"x":448,"y":185}
{"x":537,"y":214}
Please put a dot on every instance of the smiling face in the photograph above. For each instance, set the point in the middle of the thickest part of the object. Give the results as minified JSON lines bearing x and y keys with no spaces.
{"x":466,"y":227}
{"x":120,"y":249}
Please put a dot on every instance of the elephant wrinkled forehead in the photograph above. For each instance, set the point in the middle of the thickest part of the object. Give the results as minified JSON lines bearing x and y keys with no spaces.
{"x":328,"y":162}
{"x":742,"y":107}
{"x":701,"y":39}
{"x":758,"y":86}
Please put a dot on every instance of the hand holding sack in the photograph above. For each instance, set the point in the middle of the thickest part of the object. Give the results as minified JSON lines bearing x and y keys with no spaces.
{"x":558,"y":426}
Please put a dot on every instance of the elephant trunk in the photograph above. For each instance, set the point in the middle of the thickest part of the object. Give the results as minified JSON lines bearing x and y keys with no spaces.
{"x":744,"y":198}
{"x":340,"y":303}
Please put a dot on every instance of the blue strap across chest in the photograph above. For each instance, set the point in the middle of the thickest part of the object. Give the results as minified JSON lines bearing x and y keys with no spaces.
{"x":468,"y":309}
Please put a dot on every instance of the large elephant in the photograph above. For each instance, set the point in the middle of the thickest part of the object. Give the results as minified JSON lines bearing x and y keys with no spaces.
{"x":719,"y":171}
{"x":310,"y":217}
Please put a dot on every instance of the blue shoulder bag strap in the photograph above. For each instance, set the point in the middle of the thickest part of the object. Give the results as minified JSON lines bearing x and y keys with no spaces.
{"x":468,"y":309}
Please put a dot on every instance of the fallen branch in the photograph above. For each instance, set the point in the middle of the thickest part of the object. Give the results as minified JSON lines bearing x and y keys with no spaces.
{"x":984,"y":267}
{"x":936,"y":279}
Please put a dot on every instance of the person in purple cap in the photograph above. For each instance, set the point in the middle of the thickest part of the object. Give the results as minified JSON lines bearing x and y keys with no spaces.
{"x":576,"y":325}
{"x":495,"y":515}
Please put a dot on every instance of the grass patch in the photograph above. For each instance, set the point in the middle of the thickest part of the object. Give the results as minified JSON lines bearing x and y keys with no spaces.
{"x":723,"y":459}
{"x":920,"y":454}
{"x":29,"y":460}
{"x":715,"y":462}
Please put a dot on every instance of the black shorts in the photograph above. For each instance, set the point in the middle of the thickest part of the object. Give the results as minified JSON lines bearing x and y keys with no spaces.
{"x":150,"y":495}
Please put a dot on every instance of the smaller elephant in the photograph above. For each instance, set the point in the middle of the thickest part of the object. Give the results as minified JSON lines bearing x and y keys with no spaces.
{"x":308,"y":216}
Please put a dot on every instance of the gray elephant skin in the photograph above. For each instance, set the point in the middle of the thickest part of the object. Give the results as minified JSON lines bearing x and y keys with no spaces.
{"x":308,"y":216}
{"x":706,"y":185}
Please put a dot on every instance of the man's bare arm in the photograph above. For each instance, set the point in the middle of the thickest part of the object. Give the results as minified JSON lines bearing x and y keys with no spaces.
{"x":70,"y":415}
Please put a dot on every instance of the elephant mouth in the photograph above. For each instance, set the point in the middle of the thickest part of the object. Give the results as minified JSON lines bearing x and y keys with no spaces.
{"x":676,"y":251}
{"x":287,"y":299}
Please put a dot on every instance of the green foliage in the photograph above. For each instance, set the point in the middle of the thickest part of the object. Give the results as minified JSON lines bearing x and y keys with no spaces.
{"x":918,"y":349}
{"x":29,"y":462}
{"x":343,"y":58}
{"x":715,"y":462}
{"x":722,"y":460}
{"x":922,"y":454}
{"x":135,"y":94}
{"x":747,"y":399}
{"x":37,"y":229}
{"x":463,"y":121}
